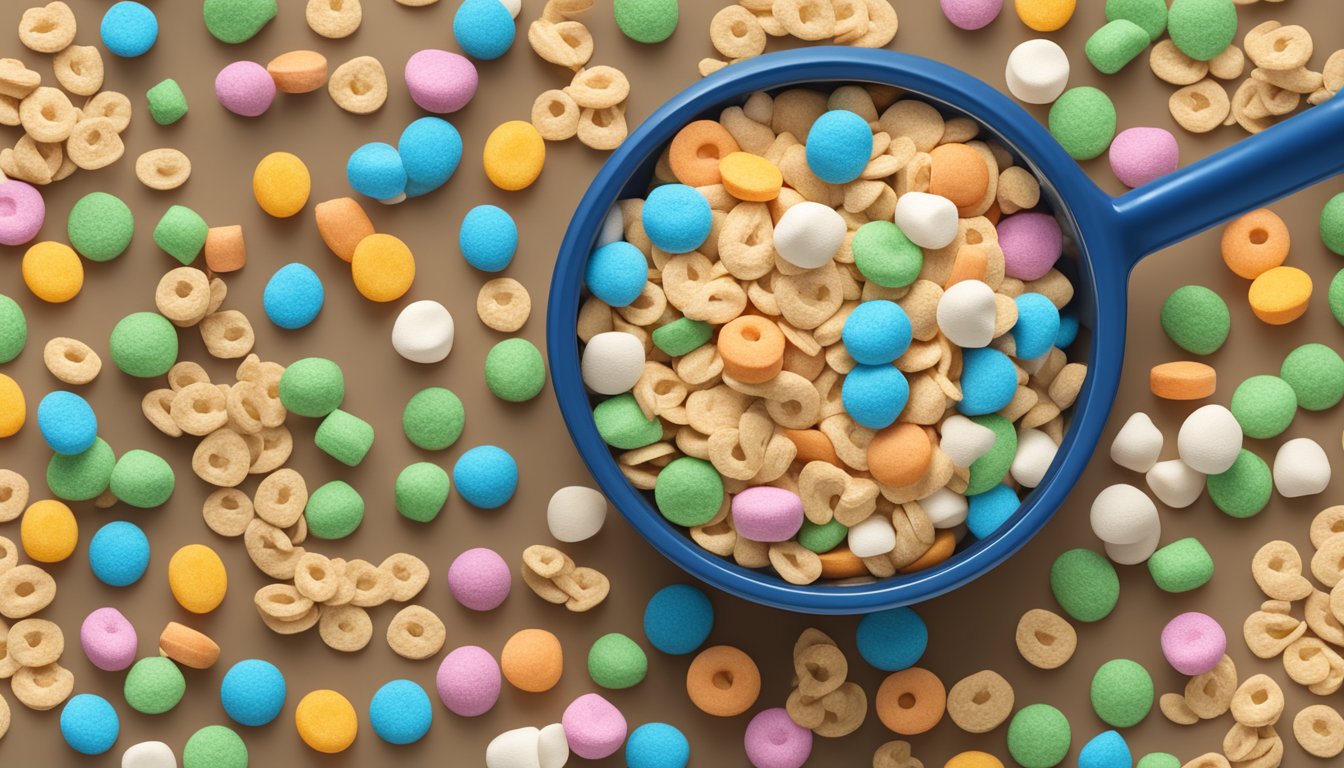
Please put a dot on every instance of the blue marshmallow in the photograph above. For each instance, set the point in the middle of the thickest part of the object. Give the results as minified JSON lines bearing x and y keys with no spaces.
{"x":484,"y":28}
{"x":988,"y":381}
{"x":877,"y":332}
{"x":253,"y":692}
{"x":1106,"y":750}
{"x":987,"y":511}
{"x":677,"y":218}
{"x":375,"y":170}
{"x":400,"y":712}
{"x":486,"y":476}
{"x":892,"y":640}
{"x":293,"y":296}
{"x":678,"y":618}
{"x":89,"y":724}
{"x":1068,"y":329}
{"x":1037,"y":326}
{"x":839,"y":145}
{"x":657,"y":745}
{"x":119,"y":554}
{"x":67,"y":422}
{"x":430,"y":150}
{"x":488,"y":238}
{"x":616,"y":273}
{"x":874,"y":395}
{"x":129,"y":29}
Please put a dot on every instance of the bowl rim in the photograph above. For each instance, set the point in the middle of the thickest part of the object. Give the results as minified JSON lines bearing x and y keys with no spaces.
{"x":1102,"y":287}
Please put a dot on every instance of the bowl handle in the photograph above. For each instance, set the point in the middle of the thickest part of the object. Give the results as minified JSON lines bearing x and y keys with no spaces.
{"x":1277,"y":162}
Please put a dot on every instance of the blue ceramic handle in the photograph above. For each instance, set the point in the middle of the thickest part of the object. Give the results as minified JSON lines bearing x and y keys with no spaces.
{"x":1277,"y":162}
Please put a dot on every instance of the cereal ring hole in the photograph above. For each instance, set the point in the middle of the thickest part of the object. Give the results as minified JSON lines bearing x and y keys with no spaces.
{"x":1045,"y":638}
{"x":74,"y":355}
{"x":1260,"y":696}
{"x":1198,"y":102}
{"x":6,"y":493}
{"x":907,"y":701}
{"x":415,"y":629}
{"x":24,"y":588}
{"x":723,"y":680}
{"x":218,"y":462}
{"x":1258,"y":236}
{"x":982,"y":696}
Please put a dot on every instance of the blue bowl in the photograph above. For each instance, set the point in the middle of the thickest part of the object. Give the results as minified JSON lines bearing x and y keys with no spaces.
{"x":1107,"y":237}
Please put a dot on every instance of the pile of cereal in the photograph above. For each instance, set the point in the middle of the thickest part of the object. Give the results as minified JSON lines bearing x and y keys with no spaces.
{"x":830,"y":340}
{"x":740,"y":32}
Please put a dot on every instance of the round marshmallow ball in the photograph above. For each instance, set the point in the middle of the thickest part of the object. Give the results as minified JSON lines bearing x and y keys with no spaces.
{"x":1140,"y":155}
{"x":1037,"y":325}
{"x":486,"y":476}
{"x":678,"y":619}
{"x":657,"y":745}
{"x":89,"y":724}
{"x":872,"y":537}
{"x":576,"y":513}
{"x":440,"y":81}
{"x":253,"y":692}
{"x":766,"y":513}
{"x":376,"y":170}
{"x":22,"y":212}
{"x":809,"y":234}
{"x":108,"y":640}
{"x":946,"y":509}
{"x":1209,"y":440}
{"x":119,"y":553}
{"x":245,"y":88}
{"x":468,"y":681}
{"x":616,"y":273}
{"x":67,"y":422}
{"x":877,"y":332}
{"x":964,"y":441}
{"x":430,"y":150}
{"x":988,"y":381}
{"x":612,"y":362}
{"x":479,"y":579}
{"x":423,"y":332}
{"x":838,"y":146}
{"x":149,"y":754}
{"x":488,"y":238}
{"x":966,"y":314}
{"x":293,"y":296}
{"x":1301,"y":468}
{"x":874,"y":395}
{"x":1035,"y":453}
{"x":971,"y":14}
{"x":1037,"y":71}
{"x":400,"y":712}
{"x":677,"y":218}
{"x":484,"y":29}
{"x":930,"y":221}
{"x":1138,"y":443}
{"x":1193,"y":643}
{"x":594,"y":727}
{"x":1031,"y":243}
{"x":1174,"y":483}
{"x":773,"y":740}
{"x":129,"y":29}
{"x":1123,"y":514}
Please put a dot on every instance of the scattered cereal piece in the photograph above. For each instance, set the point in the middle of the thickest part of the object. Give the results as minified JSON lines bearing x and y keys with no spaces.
{"x":1037,"y":71}
{"x":468,"y":681}
{"x":504,"y":305}
{"x":13,"y":500}
{"x":163,"y":169}
{"x":129,"y":29}
{"x":334,"y":19}
{"x":358,"y":86}
{"x":1301,"y":468}
{"x":1319,"y":729}
{"x":979,"y":703}
{"x":79,"y":69}
{"x":326,"y":721}
{"x":416,"y":633}
{"x":1046,"y":640}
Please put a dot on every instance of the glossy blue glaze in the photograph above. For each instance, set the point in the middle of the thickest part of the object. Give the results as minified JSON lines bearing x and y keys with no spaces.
{"x":1111,"y":236}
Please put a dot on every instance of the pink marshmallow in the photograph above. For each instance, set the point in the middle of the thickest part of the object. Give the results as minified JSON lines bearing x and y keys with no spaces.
{"x":1139,"y":155}
{"x":766,"y":513}
{"x":245,"y":88}
{"x":971,"y":14}
{"x":468,"y":681}
{"x":22,"y":212}
{"x":773,"y":740}
{"x":108,"y":640}
{"x":479,"y":579}
{"x":594,"y":727}
{"x":440,"y":81}
{"x":1031,"y":243}
{"x":1193,"y":643}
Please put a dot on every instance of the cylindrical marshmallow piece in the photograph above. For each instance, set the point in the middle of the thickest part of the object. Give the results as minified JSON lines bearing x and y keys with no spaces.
{"x":1138,"y":552}
{"x":1209,"y":440}
{"x":872,"y":537}
{"x":945,"y":508}
{"x":148,"y":754}
{"x":517,"y":748}
{"x":809,"y":234}
{"x":552,"y":746}
{"x":1174,"y":483}
{"x":966,"y":314}
{"x":1037,"y":71}
{"x":964,"y":441}
{"x":576,"y":513}
{"x":1138,"y":443}
{"x":1123,"y":514}
{"x":423,"y":332}
{"x":1035,"y":453}
{"x":612,"y":362}
{"x":1301,"y":468}
{"x":930,"y":221}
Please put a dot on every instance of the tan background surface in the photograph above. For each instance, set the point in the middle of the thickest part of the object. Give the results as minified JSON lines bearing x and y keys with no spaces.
{"x":970,"y":630}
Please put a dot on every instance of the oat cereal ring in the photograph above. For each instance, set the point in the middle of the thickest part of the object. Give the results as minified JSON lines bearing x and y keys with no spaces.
{"x":359,"y":86}
{"x":282,"y":602}
{"x":1319,"y":729}
{"x":280,"y":498}
{"x":1277,"y":569}
{"x":302,"y":624}
{"x":47,"y":29}
{"x":736,"y":34}
{"x":1210,"y":695}
{"x":93,"y":143}
{"x":199,"y":409}
{"x":416,"y":633}
{"x":911,"y":701}
{"x":409,"y":575}
{"x":222,"y":458}
{"x":79,"y":69}
{"x":1257,"y":702}
{"x":157,"y":407}
{"x":555,"y":115}
{"x":227,"y":511}
{"x":1327,"y":523}
{"x":227,"y":334}
{"x":185,"y":373}
{"x":602,"y":129}
{"x":503,"y":304}
{"x":1247,"y":109}
{"x":810,"y":20}
{"x":35,"y":643}
{"x":373,"y":586}
{"x":277,"y":443}
{"x":981,"y":702}
{"x":334,"y":19}
{"x":1301,"y":81}
{"x":47,"y":115}
{"x":586,"y":588}
{"x":345,"y":628}
{"x":598,"y":87}
{"x":723,"y":681}
{"x":1045,"y":639}
{"x":566,"y":43}
{"x":183,"y":295}
{"x":1175,"y":709}
{"x":247,"y":406}
{"x":163,"y":169}
{"x":42,"y":688}
{"x":315,"y":578}
{"x":1171,"y":65}
{"x":842,"y":711}
{"x":1201,"y":107}
{"x":1278,"y":48}
{"x":896,"y":754}
{"x":71,"y":361}
{"x":1308,"y":661}
{"x":820,"y":669}
{"x":25,"y":590}
{"x":9,"y":554}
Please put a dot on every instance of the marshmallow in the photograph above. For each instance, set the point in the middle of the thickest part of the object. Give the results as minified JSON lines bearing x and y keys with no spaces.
{"x":930,"y":221}
{"x":1210,"y":440}
{"x":1137,"y":444}
{"x":423,"y":332}
{"x":1174,"y":483}
{"x":809,"y":234}
{"x":1123,"y":514}
{"x":612,"y":362}
{"x":552,"y":747}
{"x":612,"y":229}
{"x":966,"y":314}
{"x":1301,"y":468}
{"x":1138,"y":552}
{"x":518,"y":748}
{"x":872,"y":537}
{"x":945,"y":508}
{"x":576,"y":513}
{"x":1037,"y":71}
{"x":964,"y":441}
{"x":148,"y":754}
{"x":1035,"y":453}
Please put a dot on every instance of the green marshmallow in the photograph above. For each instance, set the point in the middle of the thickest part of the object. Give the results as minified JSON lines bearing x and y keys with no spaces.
{"x":1083,"y":121}
{"x":514,"y":370}
{"x":1332,"y":224}
{"x":433,"y":419}
{"x":1151,"y":15}
{"x":143,"y":344}
{"x":421,"y":491}
{"x":1122,"y":693}
{"x":682,"y":336}
{"x":344,"y":437}
{"x":884,"y":255}
{"x":81,"y":476}
{"x":1085,"y":584}
{"x":1196,"y":319}
{"x":622,"y":423}
{"x":1316,"y":374}
{"x":181,"y":233}
{"x":100,"y":226}
{"x":154,"y":685}
{"x":1115,"y":45}
{"x":646,"y":21}
{"x":615,"y":661}
{"x":1202,"y":29}
{"x":1335,"y":297}
{"x":334,"y":510}
{"x":1244,"y":489}
{"x":1158,"y":760}
{"x":822,"y":538}
{"x":990,"y":469}
{"x":313,"y":387}
{"x":13,"y":329}
{"x":236,"y":21}
{"x":1264,"y":406}
{"x":167,"y":102}
{"x":1039,"y":736}
{"x":142,"y":479}
{"x":214,"y":746}
{"x":688,"y":491}
{"x":1181,"y":566}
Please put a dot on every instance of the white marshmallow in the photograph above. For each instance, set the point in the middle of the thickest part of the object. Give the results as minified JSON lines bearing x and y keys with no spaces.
{"x":1123,"y":514}
{"x":1138,"y":552}
{"x":1301,"y":468}
{"x":517,"y":748}
{"x":966,"y":314}
{"x":964,"y":441}
{"x":612,"y":362}
{"x":1035,"y":453}
{"x":576,"y":513}
{"x":809,"y":234}
{"x":1138,"y":443}
{"x":514,"y":7}
{"x":612,"y":229}
{"x":423,"y":332}
{"x":1174,"y":483}
{"x":1037,"y":71}
{"x":930,"y":221}
{"x":1209,"y":440}
{"x":872,"y":537}
{"x":149,"y":754}
{"x":552,"y":746}
{"x":945,"y":508}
